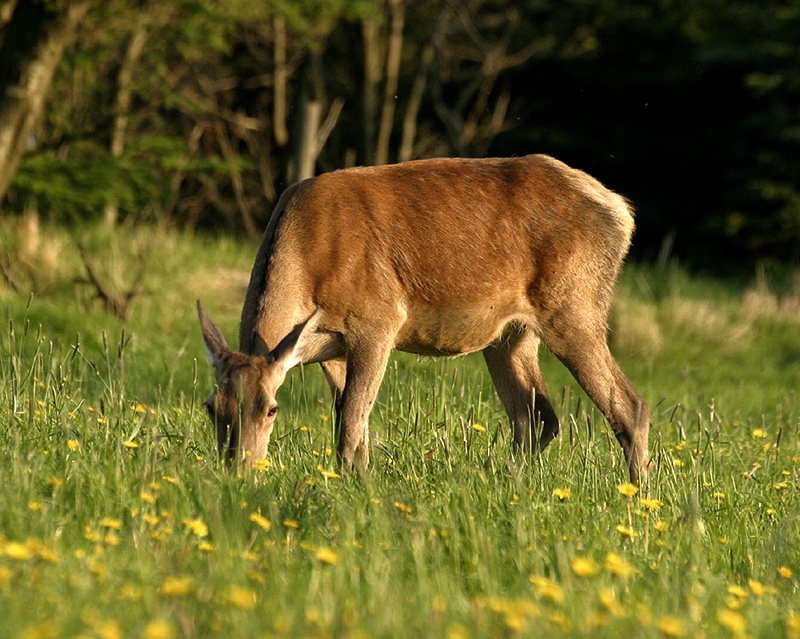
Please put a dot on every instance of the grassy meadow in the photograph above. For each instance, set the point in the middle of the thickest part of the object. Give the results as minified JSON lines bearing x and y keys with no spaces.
{"x":117,"y":520}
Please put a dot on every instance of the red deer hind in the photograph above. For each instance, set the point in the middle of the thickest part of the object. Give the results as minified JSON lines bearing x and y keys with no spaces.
{"x":436,"y":257}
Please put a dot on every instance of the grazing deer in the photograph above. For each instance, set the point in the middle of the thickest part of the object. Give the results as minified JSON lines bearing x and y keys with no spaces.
{"x":436,"y":257}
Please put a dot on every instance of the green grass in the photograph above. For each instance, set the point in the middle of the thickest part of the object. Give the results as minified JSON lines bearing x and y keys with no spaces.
{"x":118,"y":521}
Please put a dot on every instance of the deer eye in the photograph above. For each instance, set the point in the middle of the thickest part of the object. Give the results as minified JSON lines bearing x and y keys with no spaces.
{"x":272,"y":411}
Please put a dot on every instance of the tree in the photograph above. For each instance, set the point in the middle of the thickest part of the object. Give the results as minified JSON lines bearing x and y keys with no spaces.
{"x":36,"y":33}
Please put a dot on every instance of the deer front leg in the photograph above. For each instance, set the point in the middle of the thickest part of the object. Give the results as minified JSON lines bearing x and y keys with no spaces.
{"x":366,"y":364}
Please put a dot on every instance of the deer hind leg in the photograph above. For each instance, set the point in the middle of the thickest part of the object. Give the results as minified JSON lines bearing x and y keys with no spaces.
{"x":365,"y":367}
{"x":513,"y":363}
{"x":584,"y":351}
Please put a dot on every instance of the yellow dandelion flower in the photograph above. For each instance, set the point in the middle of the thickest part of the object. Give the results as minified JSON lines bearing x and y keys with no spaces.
{"x":291,"y":523}
{"x":139,"y":409}
{"x":403,"y":508}
{"x":327,"y":556}
{"x":785,"y":572}
{"x":148,"y":498}
{"x":18,"y":551}
{"x":610,"y":602}
{"x":177,"y":586}
{"x":34,"y":506}
{"x":628,"y":489}
{"x":756,"y":587}
{"x":759,"y":433}
{"x":206,"y":546}
{"x":110,"y":522}
{"x":561,"y":493}
{"x":72,"y":444}
{"x":671,"y":627}
{"x":241,"y":597}
{"x":651,"y":504}
{"x":616,"y":565}
{"x":457,"y":631}
{"x":327,"y":474}
{"x":261,"y":464}
{"x":732,"y":620}
{"x":719,"y":495}
{"x":129,"y":444}
{"x":627,"y":532}
{"x":584,"y":567}
{"x":547,"y":589}
{"x":737,"y":591}
{"x":261,"y":520}
{"x":781,"y":486}
{"x":196,"y":526}
{"x":478,"y":428}
{"x":792,"y":625}
{"x":159,"y":629}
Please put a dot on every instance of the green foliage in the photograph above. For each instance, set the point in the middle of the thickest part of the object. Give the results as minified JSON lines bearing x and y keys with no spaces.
{"x":118,"y":520}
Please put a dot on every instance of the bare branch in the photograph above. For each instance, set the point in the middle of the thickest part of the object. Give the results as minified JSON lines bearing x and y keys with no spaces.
{"x":119,"y":306}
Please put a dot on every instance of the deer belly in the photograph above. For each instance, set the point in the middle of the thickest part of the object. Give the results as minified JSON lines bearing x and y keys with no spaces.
{"x":452,"y":331}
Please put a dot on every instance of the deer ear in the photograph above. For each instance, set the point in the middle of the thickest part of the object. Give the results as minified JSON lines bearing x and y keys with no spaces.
{"x":217,"y":348}
{"x":291,"y":349}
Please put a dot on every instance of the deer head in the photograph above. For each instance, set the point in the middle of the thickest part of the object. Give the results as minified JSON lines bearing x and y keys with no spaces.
{"x":243,"y":406}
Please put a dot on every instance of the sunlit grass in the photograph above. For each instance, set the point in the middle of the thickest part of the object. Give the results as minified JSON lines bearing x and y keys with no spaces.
{"x":117,"y":520}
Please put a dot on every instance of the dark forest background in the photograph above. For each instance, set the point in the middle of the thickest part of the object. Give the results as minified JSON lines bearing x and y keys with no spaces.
{"x":199,"y":112}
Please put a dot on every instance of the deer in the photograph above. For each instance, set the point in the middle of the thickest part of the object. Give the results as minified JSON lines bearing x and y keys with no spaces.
{"x":439,"y":257}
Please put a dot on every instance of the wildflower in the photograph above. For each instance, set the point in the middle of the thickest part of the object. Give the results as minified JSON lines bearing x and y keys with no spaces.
{"x":291,"y":523}
{"x":241,"y":597}
{"x":260,"y":464}
{"x":561,"y":493}
{"x":609,"y":601}
{"x":785,"y":572}
{"x":719,"y":495}
{"x":196,"y":526}
{"x":159,"y":629}
{"x":327,"y":556}
{"x":628,"y":489}
{"x":756,"y":587}
{"x":139,"y":409}
{"x":403,"y":508}
{"x":478,"y":428}
{"x":129,"y":444}
{"x":671,"y":627}
{"x":72,"y":444}
{"x":792,"y":625}
{"x":327,"y":474}
{"x":547,"y":589}
{"x":616,"y":565}
{"x":781,"y":486}
{"x":147,"y":497}
{"x":34,"y":506}
{"x":732,"y":620}
{"x":260,"y":520}
{"x":759,"y":433}
{"x":737,"y":591}
{"x":110,"y":522}
{"x":206,"y":546}
{"x":651,"y":504}
{"x":18,"y":551}
{"x":626,"y":531}
{"x":584,"y":567}
{"x":177,"y":586}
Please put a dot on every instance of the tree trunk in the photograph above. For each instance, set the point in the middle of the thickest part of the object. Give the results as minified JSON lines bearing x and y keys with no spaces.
{"x":393,"y":55}
{"x":370,"y":28}
{"x":279,"y":99}
{"x":122,"y":106}
{"x":34,"y":44}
